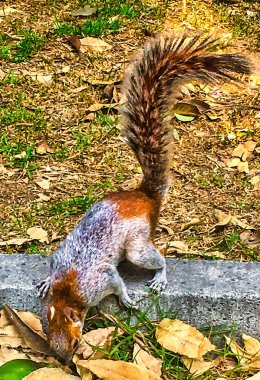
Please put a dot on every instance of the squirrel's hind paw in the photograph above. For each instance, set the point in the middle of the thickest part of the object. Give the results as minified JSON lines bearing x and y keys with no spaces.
{"x":157,"y":286}
{"x":43,"y":288}
{"x":128,"y":302}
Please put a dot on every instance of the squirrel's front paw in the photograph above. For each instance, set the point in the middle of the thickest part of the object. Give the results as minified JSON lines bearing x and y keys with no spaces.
{"x":43,"y":288}
{"x":157,"y":286}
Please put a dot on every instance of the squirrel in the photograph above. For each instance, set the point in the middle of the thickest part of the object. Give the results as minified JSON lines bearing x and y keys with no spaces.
{"x":122,"y":224}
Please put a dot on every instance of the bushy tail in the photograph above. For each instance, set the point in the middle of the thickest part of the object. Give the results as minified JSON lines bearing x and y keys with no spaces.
{"x":162,"y":66}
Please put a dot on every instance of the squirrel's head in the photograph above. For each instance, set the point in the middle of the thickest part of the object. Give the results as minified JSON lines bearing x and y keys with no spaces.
{"x":66,"y":314}
{"x":64,"y":330}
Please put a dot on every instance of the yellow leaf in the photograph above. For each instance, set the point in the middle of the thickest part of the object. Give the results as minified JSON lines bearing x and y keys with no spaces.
{"x":183,"y":339}
{"x":197,"y":367}
{"x":243,"y":167}
{"x":255,"y":377}
{"x":252,"y":345}
{"x":99,"y":338}
{"x":38,"y":233}
{"x":50,"y":374}
{"x":233,"y":162}
{"x":118,"y":370}
{"x":7,"y":354}
{"x":147,"y":361}
{"x":4,"y":11}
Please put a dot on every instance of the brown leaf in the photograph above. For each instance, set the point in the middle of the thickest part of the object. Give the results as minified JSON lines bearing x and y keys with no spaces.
{"x":10,"y":337}
{"x":91,"y":44}
{"x":147,"y":361}
{"x":50,"y":374}
{"x":75,"y":42}
{"x":250,"y":237}
{"x":250,"y":145}
{"x":29,"y":336}
{"x":183,"y":339}
{"x":118,"y":370}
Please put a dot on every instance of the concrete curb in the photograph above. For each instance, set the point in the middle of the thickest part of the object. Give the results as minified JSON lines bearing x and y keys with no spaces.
{"x":200,"y":292}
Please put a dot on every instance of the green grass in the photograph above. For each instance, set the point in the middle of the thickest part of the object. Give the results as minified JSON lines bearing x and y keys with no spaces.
{"x":89,"y":28}
{"x":244,"y":20}
{"x":22,"y":50}
{"x":138,"y":327}
{"x":71,"y":206}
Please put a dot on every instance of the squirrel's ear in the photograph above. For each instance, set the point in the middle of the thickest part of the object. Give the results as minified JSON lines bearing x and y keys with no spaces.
{"x":72,"y":315}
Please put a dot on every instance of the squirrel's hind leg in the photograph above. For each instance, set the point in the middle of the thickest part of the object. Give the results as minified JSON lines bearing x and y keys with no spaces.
{"x":108,"y":281}
{"x":145,"y":255}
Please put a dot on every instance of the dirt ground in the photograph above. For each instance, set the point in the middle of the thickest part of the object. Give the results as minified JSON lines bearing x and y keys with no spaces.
{"x":60,"y":150}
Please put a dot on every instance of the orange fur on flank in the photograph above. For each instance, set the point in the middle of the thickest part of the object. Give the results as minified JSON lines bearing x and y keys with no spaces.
{"x":134,"y":204}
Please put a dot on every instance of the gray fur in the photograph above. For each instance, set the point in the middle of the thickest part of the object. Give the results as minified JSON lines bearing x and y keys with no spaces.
{"x":96,"y":246}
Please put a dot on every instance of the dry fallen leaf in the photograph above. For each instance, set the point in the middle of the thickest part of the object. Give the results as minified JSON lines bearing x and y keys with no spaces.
{"x":252,"y":345}
{"x":242,"y":167}
{"x":98,"y":106}
{"x":84,"y":373}
{"x":15,"y":241}
{"x":75,"y":42}
{"x":145,"y":360}
{"x":88,"y":44}
{"x":44,"y":184}
{"x":118,"y":370}
{"x":10,"y":337}
{"x":191,"y":223}
{"x":38,"y":233}
{"x":183,"y":339}
{"x":43,"y":148}
{"x":250,"y":237}
{"x":5,"y":11}
{"x":233,"y":162}
{"x":225,"y":219}
{"x":250,"y":145}
{"x":247,"y":360}
{"x":197,"y":367}
{"x":239,"y":151}
{"x":84,"y":11}
{"x":255,"y":377}
{"x":50,"y":374}
{"x":98,"y":338}
{"x":7,"y":354}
